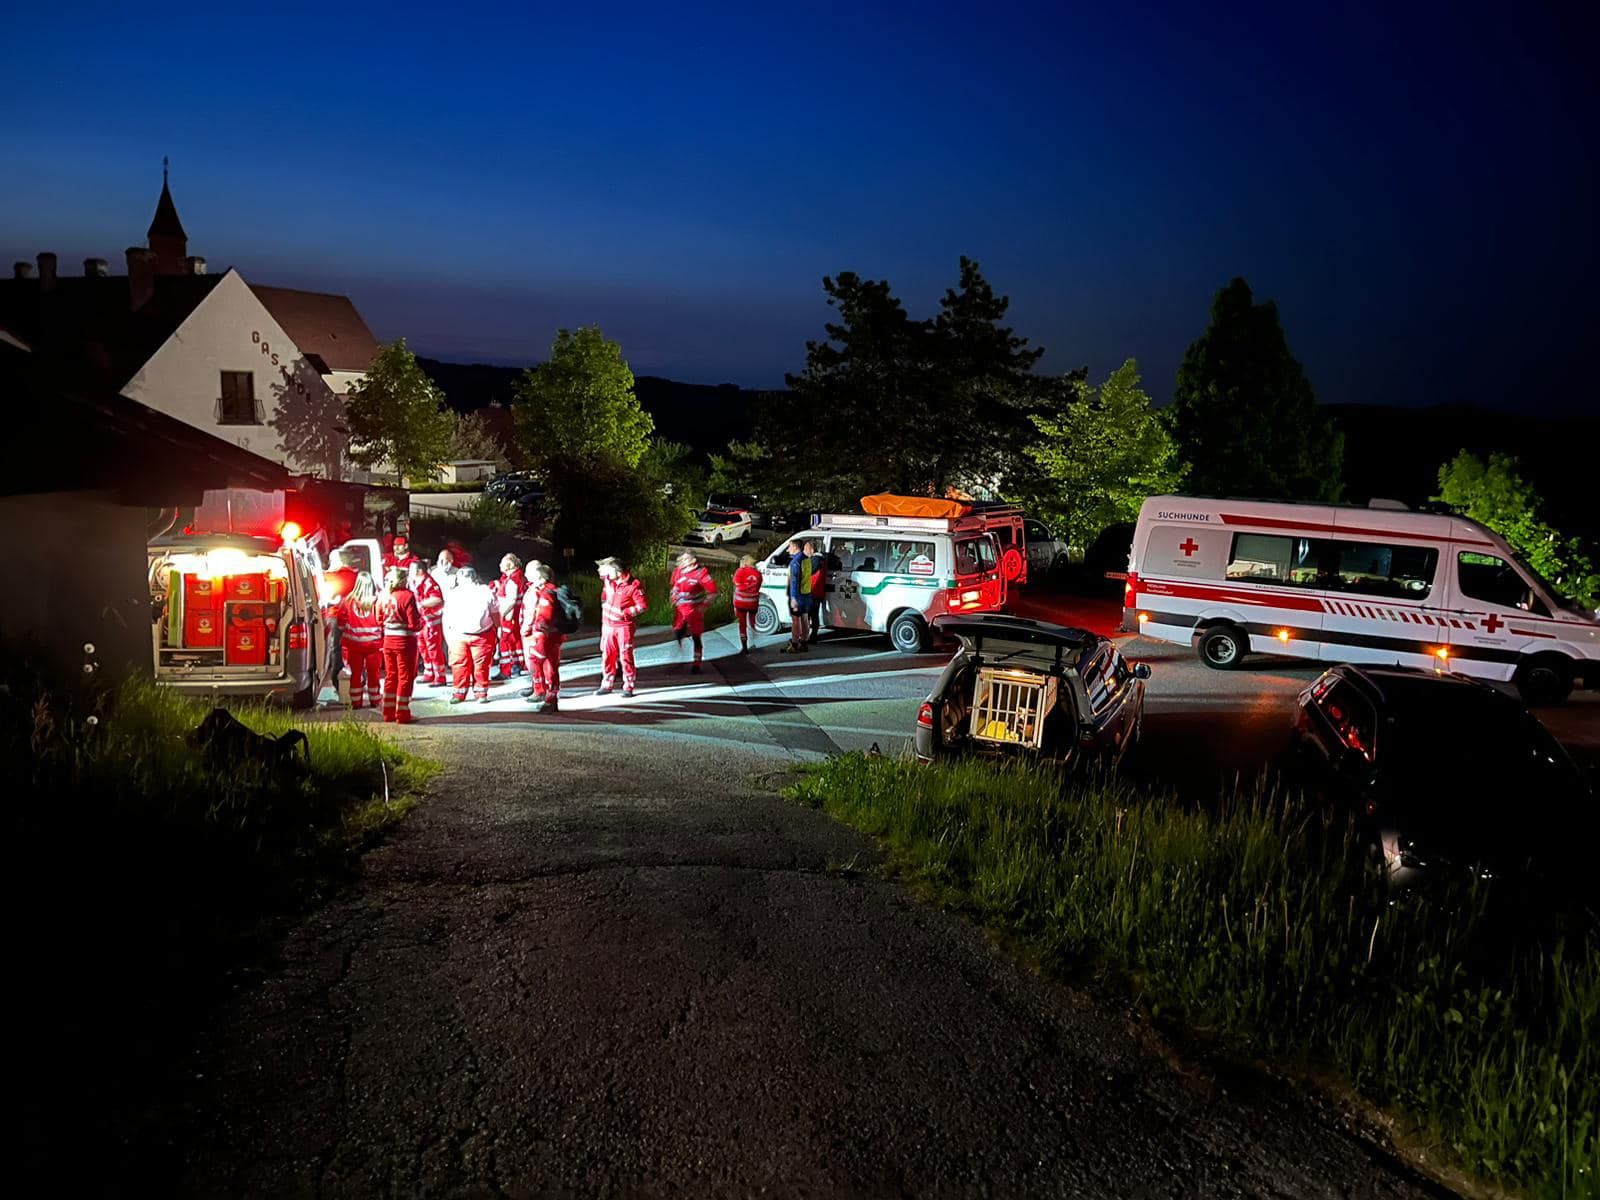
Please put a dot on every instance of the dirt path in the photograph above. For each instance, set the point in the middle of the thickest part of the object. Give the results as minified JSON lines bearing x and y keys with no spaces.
{"x":586,"y":965}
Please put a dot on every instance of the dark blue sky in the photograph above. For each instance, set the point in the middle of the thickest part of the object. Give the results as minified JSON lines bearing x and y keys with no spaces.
{"x":1417,"y":192}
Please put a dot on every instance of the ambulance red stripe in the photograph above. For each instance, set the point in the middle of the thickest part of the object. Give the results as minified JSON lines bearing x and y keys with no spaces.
{"x":1347,"y":530}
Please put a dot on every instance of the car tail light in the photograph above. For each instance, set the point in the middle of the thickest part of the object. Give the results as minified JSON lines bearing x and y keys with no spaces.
{"x":1346,"y":729}
{"x":925,"y":715}
{"x":299,"y":636}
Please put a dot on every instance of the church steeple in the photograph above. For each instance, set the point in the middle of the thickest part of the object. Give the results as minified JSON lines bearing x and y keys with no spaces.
{"x":166,"y":236}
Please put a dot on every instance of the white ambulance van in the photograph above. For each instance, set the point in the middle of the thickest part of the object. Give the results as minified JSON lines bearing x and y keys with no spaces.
{"x":1381,"y":584}
{"x":891,"y":574}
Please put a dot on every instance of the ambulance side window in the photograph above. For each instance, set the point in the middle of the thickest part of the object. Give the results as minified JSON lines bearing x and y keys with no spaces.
{"x":1495,"y":581}
{"x":1376,"y":569}
{"x":1269,"y":558}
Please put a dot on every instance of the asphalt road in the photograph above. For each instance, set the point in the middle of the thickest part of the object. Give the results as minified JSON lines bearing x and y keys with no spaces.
{"x":605,"y":957}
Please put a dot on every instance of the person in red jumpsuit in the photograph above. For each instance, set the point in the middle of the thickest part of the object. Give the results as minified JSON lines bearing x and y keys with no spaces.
{"x":430,"y":601}
{"x":361,"y":636}
{"x":746,"y":599}
{"x":399,"y":555}
{"x":622,"y":602}
{"x":508,"y":592}
{"x":692,"y":588}
{"x":542,"y":640}
{"x":402,"y":625}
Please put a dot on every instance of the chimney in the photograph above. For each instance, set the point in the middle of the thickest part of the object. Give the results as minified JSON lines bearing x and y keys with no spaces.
{"x":47,"y":268}
{"x":22,"y":270}
{"x":141,"y":276}
{"x":194,"y":265}
{"x":95,"y":268}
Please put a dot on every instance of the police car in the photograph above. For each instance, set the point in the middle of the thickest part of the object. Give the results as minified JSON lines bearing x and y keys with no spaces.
{"x":714,"y":526}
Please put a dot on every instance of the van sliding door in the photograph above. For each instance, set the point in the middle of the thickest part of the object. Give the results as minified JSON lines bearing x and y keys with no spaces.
{"x":1381,"y":591}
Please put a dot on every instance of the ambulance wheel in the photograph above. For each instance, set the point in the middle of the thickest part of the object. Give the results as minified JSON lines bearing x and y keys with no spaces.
{"x":908,"y":633}
{"x":1223,"y":647}
{"x":766,"y":617}
{"x":1545,"y":679}
{"x":305,"y":698}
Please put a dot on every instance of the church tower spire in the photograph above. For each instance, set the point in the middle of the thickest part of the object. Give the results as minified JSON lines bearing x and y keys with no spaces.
{"x":166,"y":236}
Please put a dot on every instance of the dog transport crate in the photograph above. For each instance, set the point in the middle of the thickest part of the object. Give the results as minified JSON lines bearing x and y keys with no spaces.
{"x":1009,"y":707}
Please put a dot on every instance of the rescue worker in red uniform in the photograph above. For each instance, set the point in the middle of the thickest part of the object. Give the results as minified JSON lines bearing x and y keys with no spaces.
{"x":361,"y":633}
{"x":692,"y":588}
{"x":402,"y":625}
{"x":746,"y":599}
{"x":430,"y":601}
{"x":542,"y":639}
{"x":508,"y":592}
{"x":399,"y":556}
{"x":622,"y":602}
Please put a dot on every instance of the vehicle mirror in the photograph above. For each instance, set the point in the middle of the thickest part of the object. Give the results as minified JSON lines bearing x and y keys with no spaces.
{"x":1141,"y":670}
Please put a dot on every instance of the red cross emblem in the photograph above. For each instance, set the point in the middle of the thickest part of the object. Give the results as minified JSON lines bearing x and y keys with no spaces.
{"x":1493,"y":623}
{"x":1188,"y":546}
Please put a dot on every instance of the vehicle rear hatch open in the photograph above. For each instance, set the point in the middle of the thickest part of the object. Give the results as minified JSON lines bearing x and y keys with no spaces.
{"x":221,"y":612}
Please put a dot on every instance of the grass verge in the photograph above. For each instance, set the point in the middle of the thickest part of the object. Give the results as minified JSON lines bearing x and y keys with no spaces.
{"x":153,"y":876}
{"x":1256,"y":923}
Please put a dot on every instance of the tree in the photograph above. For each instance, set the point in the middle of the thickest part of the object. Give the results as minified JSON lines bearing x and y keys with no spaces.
{"x":1495,"y":495}
{"x":886,"y":401}
{"x":471,"y":438}
{"x":610,"y":488}
{"x":396,"y":416}
{"x":579,"y":407}
{"x":1101,"y":451}
{"x":1244,"y":414}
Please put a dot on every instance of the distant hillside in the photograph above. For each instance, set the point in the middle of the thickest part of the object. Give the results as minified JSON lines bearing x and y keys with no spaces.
{"x":1397,"y":452}
{"x":703,"y":416}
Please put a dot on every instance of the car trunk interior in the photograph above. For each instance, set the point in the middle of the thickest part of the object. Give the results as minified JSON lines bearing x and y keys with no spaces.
{"x":219,"y":613}
{"x":1011,"y":698}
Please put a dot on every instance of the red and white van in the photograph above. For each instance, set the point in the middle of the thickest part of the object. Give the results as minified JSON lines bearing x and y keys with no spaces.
{"x":1332,"y":583}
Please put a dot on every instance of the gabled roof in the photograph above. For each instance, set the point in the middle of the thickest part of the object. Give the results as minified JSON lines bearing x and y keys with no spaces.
{"x":88,"y":325}
{"x":115,"y":444}
{"x":165,"y":222}
{"x":327,"y":328}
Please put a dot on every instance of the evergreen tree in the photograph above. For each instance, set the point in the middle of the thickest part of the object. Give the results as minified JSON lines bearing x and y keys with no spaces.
{"x":1244,"y":414}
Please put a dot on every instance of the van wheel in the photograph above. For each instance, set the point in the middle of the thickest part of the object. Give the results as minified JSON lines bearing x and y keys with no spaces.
{"x":1545,"y":679}
{"x":908,"y":633}
{"x":766,"y":617}
{"x":1223,"y":647}
{"x":305,"y":699}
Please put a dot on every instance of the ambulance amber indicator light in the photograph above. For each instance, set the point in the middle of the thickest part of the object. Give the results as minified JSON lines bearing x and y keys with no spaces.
{"x":1283,"y":635}
{"x":1143,"y":617}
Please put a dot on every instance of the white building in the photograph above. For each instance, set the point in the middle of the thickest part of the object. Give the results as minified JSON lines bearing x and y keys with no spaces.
{"x":209,"y":350}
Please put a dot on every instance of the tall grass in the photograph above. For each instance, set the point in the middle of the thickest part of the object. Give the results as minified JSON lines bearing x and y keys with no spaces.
{"x":1257,"y":921}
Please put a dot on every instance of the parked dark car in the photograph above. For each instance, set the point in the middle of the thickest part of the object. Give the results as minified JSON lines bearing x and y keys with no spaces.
{"x":1017,"y":686}
{"x":1446,"y":775}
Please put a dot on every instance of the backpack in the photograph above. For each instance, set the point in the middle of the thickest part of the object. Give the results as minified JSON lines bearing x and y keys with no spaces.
{"x":568,"y":613}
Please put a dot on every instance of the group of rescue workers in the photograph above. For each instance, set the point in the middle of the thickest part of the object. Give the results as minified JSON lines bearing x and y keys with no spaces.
{"x":442,"y":625}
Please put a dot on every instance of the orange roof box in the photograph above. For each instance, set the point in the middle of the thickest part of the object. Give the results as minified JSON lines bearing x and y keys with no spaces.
{"x":887,"y":504}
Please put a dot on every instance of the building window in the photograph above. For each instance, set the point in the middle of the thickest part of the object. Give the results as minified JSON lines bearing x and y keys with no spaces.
{"x":237,"y":405}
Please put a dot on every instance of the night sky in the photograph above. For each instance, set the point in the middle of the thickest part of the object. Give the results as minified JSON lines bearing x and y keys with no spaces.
{"x":1419,"y":193}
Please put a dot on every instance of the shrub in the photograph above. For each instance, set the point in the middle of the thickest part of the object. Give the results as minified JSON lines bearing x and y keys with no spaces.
{"x":1258,"y":920}
{"x":657,"y":591}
